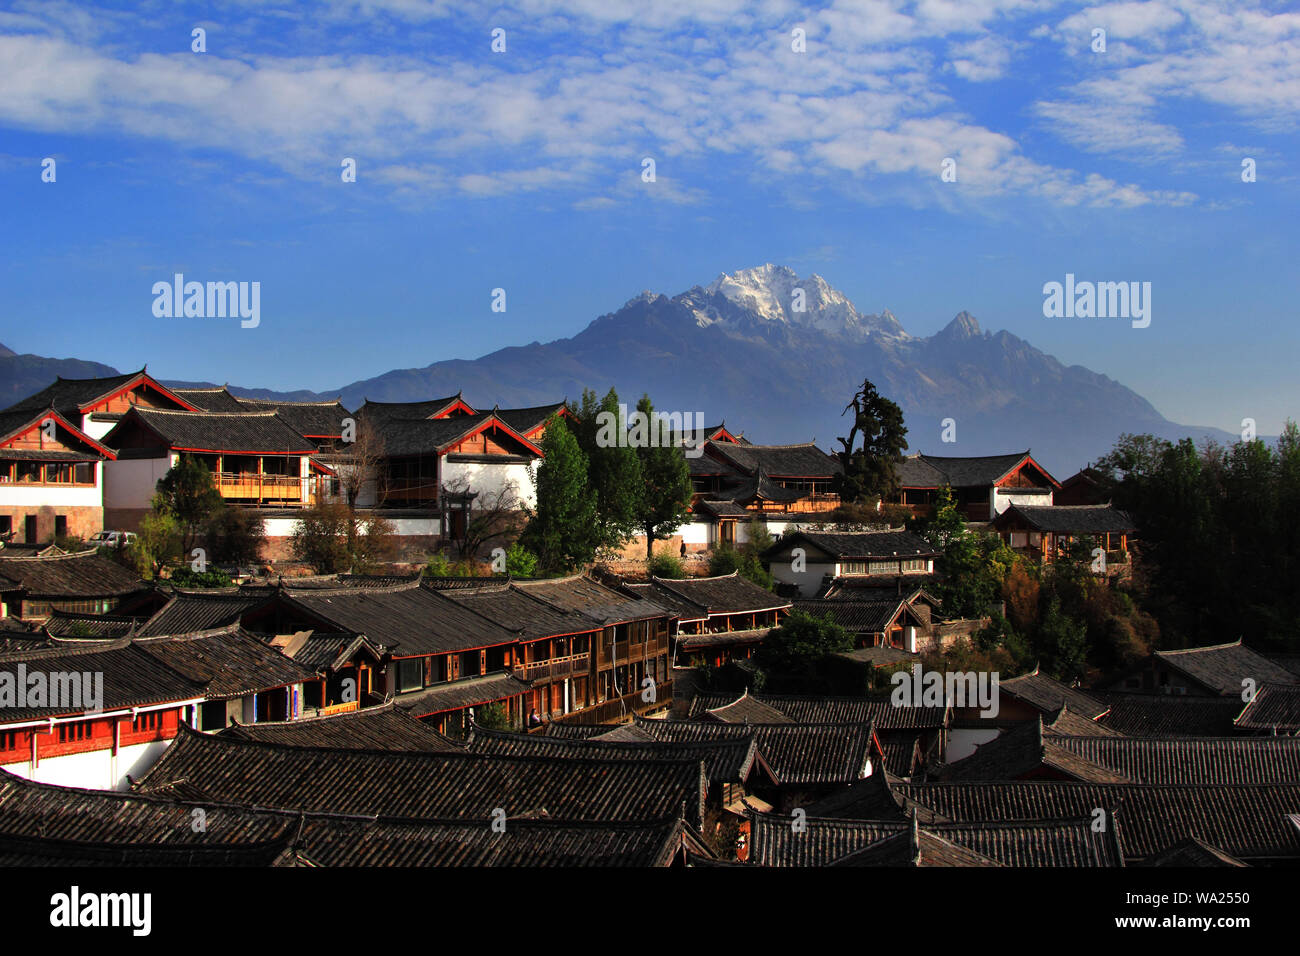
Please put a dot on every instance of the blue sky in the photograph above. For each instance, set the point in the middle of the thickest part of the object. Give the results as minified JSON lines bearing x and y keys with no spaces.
{"x":522,"y":170}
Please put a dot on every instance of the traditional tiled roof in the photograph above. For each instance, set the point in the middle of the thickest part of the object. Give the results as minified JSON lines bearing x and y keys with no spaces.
{"x":1068,"y":723}
{"x":16,"y":423}
{"x":1274,"y":709}
{"x":721,"y":509}
{"x":777,"y":841}
{"x":746,"y":709}
{"x":386,"y":727}
{"x":524,"y":420}
{"x":473,"y":843}
{"x":725,"y":594}
{"x":881,"y":587}
{"x":229,"y":661}
{"x":379,"y":411}
{"x":797,"y":753}
{"x":41,"y":824}
{"x":878,"y":711}
{"x":42,"y":851}
{"x":518,"y":610}
{"x":933,"y":471}
{"x":403,"y":437}
{"x":693,"y":642}
{"x":68,"y":624}
{"x":761,"y":487}
{"x":914,"y":846}
{"x":730,"y":760}
{"x":781,"y":461}
{"x":1168,"y":715}
{"x":593,"y":599}
{"x":848,"y":545}
{"x":257,"y":433}
{"x":408,"y":619}
{"x":324,"y":651}
{"x":1193,"y":852}
{"x":70,"y":395}
{"x":856,"y":617}
{"x":1069,"y":519}
{"x":1047,"y":694}
{"x":681,"y":607}
{"x":81,"y":574}
{"x":422,"y":785}
{"x":1026,"y":752}
{"x":42,"y":810}
{"x":1246,"y":820}
{"x":1222,"y":668}
{"x":197,"y":610}
{"x":310,"y":419}
{"x":217,"y":399}
{"x":459,"y":694}
{"x":1191,"y":759}
{"x":131,"y":677}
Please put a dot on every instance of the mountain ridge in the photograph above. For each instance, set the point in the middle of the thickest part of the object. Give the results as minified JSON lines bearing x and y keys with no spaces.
{"x":741,"y":349}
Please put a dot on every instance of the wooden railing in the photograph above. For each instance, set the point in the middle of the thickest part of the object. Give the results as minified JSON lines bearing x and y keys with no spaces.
{"x":574,"y":665}
{"x":259,"y":487}
{"x":621,"y":652}
{"x":621,"y":708}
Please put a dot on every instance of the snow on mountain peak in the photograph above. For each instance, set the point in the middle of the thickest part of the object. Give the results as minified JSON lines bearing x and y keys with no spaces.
{"x":777,"y":294}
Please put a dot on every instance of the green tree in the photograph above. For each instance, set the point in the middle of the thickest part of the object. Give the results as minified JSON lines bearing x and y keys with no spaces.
{"x":520,"y":562}
{"x":157,"y":542}
{"x":665,"y":504}
{"x":803,"y":640}
{"x":332,"y":537}
{"x":664,"y":565}
{"x":561,"y":529}
{"x":191,"y":499}
{"x":234,"y":536}
{"x":613,"y":468}
{"x":869,"y":470}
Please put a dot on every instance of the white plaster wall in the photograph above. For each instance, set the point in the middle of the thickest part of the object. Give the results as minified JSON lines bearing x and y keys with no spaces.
{"x":96,"y":430}
{"x":809,"y":581}
{"x":963,"y":741}
{"x":284,"y":527}
{"x":95,"y":769}
{"x":131,"y":482}
{"x":1002,"y":498}
{"x":487,"y":478}
{"x":18,"y":494}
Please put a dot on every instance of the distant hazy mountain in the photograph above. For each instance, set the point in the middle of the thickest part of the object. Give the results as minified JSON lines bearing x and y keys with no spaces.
{"x":778,"y":356}
{"x":22,"y":375}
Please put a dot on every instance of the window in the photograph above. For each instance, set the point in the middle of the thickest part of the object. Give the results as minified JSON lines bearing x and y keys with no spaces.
{"x":71,"y":733}
{"x":58,"y":474}
{"x":29,"y":471}
{"x":83,"y":473}
{"x":6,"y":473}
{"x":6,"y":524}
{"x":144,"y":723}
{"x":60,"y":526}
{"x":410,"y":674}
{"x":9,"y":741}
{"x":915,"y":564}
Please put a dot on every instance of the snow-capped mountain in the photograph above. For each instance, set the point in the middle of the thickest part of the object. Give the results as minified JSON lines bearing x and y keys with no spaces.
{"x":777,"y":294}
{"x":738,"y":349}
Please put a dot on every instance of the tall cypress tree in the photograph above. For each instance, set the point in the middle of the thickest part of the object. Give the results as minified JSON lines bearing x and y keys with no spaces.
{"x":562,"y":529}
{"x":613,"y":469}
{"x":666,"y":503}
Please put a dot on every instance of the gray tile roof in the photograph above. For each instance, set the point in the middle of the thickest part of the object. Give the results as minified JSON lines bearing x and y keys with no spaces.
{"x":229,"y":662}
{"x":261,"y":433}
{"x":1222,"y":668}
{"x":81,"y":574}
{"x":1069,"y":519}
{"x":386,"y":727}
{"x":422,"y":785}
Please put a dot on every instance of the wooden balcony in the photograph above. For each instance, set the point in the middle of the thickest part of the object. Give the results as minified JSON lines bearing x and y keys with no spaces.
{"x":623,"y":652}
{"x":557,"y":668}
{"x":621,"y":708}
{"x":250,"y":486}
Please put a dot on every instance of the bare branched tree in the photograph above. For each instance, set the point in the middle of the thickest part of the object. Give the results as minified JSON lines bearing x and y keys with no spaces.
{"x":495,"y":518}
